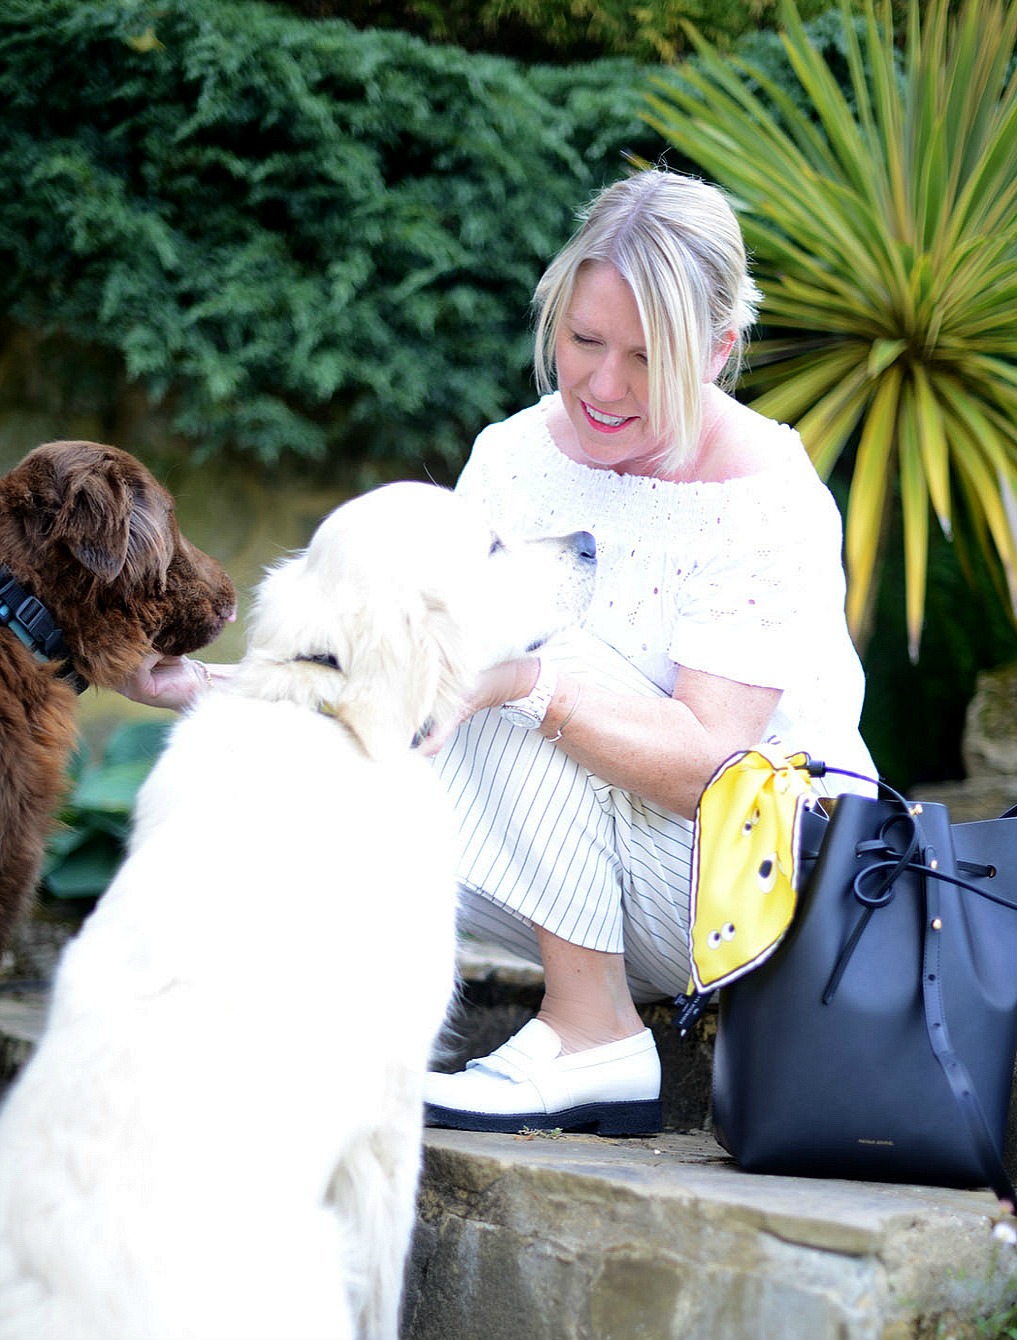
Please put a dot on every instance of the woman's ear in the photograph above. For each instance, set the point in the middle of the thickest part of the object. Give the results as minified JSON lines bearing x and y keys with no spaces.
{"x":721,"y":353}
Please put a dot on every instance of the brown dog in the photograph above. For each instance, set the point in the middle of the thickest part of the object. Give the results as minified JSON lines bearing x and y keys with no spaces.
{"x":94,"y":575}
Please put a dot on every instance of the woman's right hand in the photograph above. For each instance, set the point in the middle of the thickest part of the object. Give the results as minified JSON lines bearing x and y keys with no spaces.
{"x":499,"y":684}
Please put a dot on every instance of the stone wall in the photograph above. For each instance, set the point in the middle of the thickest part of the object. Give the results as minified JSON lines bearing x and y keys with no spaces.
{"x":989,"y":750}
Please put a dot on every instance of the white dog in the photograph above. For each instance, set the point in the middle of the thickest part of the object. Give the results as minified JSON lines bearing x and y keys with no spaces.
{"x":219,"y":1135}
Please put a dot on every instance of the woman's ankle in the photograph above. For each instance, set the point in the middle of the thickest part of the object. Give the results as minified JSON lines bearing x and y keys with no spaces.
{"x":586,"y":994}
{"x":579,"y":1034}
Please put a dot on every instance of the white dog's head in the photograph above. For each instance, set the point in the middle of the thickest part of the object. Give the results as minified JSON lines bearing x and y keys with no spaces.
{"x":402,"y":598}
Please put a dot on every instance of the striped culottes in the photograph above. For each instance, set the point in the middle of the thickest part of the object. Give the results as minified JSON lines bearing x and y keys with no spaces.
{"x":546,"y":843}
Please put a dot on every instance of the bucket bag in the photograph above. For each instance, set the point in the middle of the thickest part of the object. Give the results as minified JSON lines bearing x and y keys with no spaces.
{"x":871,"y":1032}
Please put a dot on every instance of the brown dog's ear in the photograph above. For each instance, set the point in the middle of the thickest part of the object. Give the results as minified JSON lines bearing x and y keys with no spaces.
{"x":94,"y":521}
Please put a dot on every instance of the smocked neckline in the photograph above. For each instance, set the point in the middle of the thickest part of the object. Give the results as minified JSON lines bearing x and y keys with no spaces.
{"x":785,"y":439}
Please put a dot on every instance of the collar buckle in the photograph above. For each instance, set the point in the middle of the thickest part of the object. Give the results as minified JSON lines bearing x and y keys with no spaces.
{"x":33,"y":625}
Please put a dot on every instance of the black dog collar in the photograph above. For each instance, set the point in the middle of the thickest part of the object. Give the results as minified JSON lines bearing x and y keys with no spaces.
{"x":322,"y":658}
{"x":32,"y":623}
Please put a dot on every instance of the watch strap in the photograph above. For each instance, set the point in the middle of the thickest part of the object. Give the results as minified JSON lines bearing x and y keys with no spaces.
{"x":528,"y":712}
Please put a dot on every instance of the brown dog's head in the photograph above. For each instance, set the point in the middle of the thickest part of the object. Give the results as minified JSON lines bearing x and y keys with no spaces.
{"x":90,"y":532}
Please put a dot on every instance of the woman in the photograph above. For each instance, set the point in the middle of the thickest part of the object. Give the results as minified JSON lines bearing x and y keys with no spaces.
{"x":720,"y":584}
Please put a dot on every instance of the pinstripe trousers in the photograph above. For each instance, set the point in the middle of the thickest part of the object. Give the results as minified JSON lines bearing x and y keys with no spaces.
{"x":546,"y":843}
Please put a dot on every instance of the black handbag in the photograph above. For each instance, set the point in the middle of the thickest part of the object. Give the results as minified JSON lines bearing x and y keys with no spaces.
{"x":877,"y":1041}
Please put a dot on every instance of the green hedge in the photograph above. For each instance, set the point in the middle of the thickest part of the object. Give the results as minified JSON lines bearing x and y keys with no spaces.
{"x":306,"y":237}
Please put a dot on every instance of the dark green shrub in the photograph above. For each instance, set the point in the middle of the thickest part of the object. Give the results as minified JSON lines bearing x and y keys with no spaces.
{"x":304,"y":236}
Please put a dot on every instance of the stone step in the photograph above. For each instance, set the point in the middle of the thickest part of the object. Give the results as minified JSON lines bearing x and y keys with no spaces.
{"x":584,"y":1238}
{"x":575,"y":1237}
{"x":572,"y":1237}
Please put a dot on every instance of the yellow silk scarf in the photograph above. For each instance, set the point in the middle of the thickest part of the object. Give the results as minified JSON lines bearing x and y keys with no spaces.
{"x":744,"y":862}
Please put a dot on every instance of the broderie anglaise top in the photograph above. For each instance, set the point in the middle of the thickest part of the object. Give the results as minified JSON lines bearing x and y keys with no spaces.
{"x":742,"y":579}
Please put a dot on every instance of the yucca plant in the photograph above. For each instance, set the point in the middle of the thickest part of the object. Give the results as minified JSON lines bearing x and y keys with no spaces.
{"x":883,"y":224}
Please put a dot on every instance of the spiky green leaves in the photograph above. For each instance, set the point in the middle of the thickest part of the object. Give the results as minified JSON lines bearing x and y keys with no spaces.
{"x":883,"y":225}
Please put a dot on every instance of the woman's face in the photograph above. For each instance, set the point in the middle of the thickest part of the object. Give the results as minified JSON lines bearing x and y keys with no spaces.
{"x":603,"y":376}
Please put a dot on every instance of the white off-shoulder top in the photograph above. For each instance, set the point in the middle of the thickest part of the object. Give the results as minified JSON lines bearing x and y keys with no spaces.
{"x":742,"y":578}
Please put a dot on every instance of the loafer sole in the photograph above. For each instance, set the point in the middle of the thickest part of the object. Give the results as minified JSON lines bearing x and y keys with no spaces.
{"x":643,"y":1117}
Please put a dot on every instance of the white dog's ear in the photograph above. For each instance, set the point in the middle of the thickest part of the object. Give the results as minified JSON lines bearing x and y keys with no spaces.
{"x":445,"y":652}
{"x":407,"y":677}
{"x":405,"y":671}
{"x":379,"y":656}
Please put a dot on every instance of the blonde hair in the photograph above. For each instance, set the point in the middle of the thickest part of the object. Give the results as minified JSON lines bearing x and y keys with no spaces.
{"x":676,"y":242}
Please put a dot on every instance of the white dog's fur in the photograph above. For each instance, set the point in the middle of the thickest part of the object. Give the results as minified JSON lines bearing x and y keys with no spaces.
{"x":219,"y":1135}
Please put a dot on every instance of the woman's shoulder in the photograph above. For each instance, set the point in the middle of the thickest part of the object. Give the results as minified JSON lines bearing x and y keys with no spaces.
{"x":759,"y":476}
{"x":510,"y":458}
{"x":740,"y":442}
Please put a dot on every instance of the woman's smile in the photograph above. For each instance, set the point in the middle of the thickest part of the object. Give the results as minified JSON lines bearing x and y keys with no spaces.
{"x":607,"y":423}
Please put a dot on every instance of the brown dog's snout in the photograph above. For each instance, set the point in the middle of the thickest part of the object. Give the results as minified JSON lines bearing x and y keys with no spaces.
{"x":213,"y":575}
{"x":201,"y":600}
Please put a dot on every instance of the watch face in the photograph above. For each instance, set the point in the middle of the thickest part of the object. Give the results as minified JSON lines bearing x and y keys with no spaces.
{"x":518,"y":716}
{"x":530,"y":711}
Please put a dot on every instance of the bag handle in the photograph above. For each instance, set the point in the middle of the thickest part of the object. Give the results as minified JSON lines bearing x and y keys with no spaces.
{"x":953,"y":1067}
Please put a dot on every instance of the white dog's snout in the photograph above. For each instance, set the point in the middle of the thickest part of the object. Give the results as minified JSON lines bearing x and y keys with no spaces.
{"x":584,"y":545}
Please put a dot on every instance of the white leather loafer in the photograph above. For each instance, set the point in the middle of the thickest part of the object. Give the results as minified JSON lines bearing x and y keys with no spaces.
{"x":527,"y":1082}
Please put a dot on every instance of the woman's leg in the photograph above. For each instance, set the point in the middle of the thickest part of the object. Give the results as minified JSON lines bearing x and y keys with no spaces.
{"x":543,"y":871}
{"x":584,"y":1063}
{"x":586,"y":995}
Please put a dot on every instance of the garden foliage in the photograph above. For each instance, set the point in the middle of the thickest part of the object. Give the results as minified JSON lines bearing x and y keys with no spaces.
{"x":882,"y":214}
{"x":83,"y":854}
{"x":305,"y":238}
{"x":565,"y":30}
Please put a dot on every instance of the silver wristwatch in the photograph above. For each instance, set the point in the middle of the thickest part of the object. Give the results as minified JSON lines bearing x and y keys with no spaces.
{"x":530,"y":711}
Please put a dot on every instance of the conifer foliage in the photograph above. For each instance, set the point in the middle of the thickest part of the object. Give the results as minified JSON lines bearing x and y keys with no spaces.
{"x":306,"y":237}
